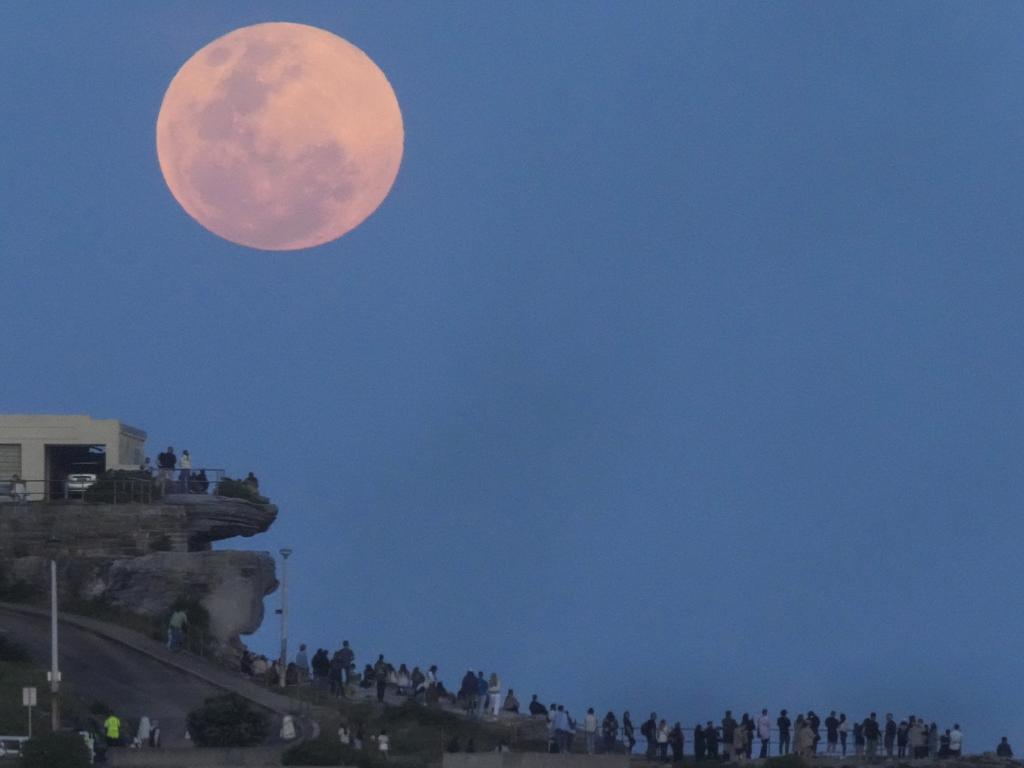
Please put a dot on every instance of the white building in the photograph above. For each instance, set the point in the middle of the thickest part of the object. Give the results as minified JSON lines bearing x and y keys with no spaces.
{"x":44,"y":450}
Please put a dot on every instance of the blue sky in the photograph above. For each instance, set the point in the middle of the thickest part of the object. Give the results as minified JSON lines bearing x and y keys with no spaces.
{"x":680,"y":370}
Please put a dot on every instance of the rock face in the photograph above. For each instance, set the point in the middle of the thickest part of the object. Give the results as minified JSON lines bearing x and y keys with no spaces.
{"x":175,"y":524}
{"x":143,"y":558}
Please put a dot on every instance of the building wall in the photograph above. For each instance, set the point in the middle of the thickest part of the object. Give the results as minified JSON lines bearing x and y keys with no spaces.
{"x":125,"y":445}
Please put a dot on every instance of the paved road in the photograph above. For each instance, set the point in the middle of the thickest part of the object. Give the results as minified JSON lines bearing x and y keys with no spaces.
{"x":131,"y":682}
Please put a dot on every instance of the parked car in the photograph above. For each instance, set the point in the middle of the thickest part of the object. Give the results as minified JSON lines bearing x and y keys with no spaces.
{"x":77,"y":483}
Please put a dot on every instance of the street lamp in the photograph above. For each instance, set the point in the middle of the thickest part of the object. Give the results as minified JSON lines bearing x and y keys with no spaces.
{"x":54,"y":674}
{"x":285,"y":552}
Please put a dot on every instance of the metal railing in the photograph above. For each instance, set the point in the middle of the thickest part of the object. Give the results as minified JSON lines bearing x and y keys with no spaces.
{"x":11,"y":745}
{"x":137,"y":489}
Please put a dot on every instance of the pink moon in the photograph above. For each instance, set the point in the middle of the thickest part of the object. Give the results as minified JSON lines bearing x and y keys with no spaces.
{"x":280,"y":136}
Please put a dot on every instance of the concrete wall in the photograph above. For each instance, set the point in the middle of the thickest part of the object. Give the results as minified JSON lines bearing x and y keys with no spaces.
{"x":125,"y":445}
{"x":250,"y":757}
{"x":532,"y":760}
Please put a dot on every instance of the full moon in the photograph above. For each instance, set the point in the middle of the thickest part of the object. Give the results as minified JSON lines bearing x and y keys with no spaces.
{"x":279,"y":136}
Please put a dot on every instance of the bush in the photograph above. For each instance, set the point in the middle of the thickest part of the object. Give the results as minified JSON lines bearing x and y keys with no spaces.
{"x":119,"y":486}
{"x":228,"y":721}
{"x":239,"y":489}
{"x":63,"y":749}
{"x":12,"y":652}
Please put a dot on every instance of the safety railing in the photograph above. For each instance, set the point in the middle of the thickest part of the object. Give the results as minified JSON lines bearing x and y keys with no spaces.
{"x":137,"y":488}
{"x":10,"y":746}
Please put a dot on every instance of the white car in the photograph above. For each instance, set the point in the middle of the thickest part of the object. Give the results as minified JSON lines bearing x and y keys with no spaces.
{"x":78,"y":483}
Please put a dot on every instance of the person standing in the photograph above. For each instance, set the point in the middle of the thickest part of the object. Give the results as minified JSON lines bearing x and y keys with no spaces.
{"x":662,"y":738}
{"x":176,"y":629}
{"x":728,"y":734}
{"x":831,"y":733}
{"x":889,"y":734}
{"x":844,"y":732}
{"x":902,"y":737}
{"x":628,"y":733}
{"x":871,"y":734}
{"x":302,"y":663}
{"x":764,"y":732}
{"x":1003,"y":749}
{"x":380,"y":675}
{"x":609,"y":730}
{"x":740,"y":734}
{"x":676,"y":741}
{"x":481,"y":694}
{"x":805,"y":739}
{"x":112,"y":730}
{"x":185,"y":470}
{"x":649,"y":730}
{"x":347,"y":657}
{"x":494,"y":691}
{"x":956,"y":741}
{"x":711,"y":739}
{"x":783,"y":723}
{"x":590,"y":730}
{"x":699,"y":745}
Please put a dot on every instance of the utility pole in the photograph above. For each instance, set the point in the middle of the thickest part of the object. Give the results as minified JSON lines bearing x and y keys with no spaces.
{"x":285,"y":552}
{"x":54,"y":668}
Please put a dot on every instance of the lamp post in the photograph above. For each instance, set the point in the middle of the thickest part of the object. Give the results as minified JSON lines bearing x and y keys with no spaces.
{"x":54,"y":674}
{"x":285,"y":552}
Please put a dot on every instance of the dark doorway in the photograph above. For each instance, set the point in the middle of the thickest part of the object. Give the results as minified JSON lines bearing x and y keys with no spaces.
{"x":64,"y":460}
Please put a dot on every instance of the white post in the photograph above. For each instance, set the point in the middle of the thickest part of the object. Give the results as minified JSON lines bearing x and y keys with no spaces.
{"x":284,"y":616}
{"x":54,"y":671}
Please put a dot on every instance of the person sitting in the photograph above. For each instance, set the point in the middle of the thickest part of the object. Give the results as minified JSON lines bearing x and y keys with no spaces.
{"x":246,"y":663}
{"x":252,"y":482}
{"x":1004,"y":750}
{"x":200,"y":483}
{"x":511,"y":702}
{"x":536,"y":708}
{"x":291,"y":674}
{"x":16,"y":488}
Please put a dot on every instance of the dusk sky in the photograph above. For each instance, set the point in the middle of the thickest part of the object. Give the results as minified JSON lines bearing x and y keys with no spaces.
{"x":680,"y":370}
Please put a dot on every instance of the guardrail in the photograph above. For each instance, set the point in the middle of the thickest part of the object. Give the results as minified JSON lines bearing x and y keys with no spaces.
{"x":10,"y":746}
{"x":122,"y":490}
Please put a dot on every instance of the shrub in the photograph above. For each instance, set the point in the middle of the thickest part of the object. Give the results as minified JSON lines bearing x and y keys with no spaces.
{"x":239,"y":489}
{"x":120,"y":486}
{"x":63,"y":749}
{"x":12,"y":652}
{"x":228,"y":721}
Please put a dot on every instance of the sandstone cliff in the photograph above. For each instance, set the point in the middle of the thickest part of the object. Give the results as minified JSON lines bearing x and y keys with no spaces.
{"x":143,"y":558}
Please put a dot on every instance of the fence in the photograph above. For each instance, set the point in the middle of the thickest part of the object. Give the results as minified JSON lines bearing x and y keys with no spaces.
{"x":116,"y":489}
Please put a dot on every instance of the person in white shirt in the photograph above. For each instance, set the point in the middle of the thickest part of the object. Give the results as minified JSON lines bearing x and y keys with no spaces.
{"x":383,"y":744}
{"x":494,"y":692}
{"x":956,"y":740}
{"x":764,"y":731}
{"x":590,"y":730}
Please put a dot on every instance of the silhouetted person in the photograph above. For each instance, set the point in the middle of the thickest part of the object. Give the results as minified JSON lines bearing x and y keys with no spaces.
{"x":536,"y":708}
{"x":783,"y":723}
{"x":1004,"y":750}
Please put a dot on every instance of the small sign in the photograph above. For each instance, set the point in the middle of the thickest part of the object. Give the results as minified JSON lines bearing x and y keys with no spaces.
{"x":49,"y":676}
{"x":28,"y":697}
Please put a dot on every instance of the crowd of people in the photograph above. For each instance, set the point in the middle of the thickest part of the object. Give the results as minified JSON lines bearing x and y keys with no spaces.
{"x":480,"y":695}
